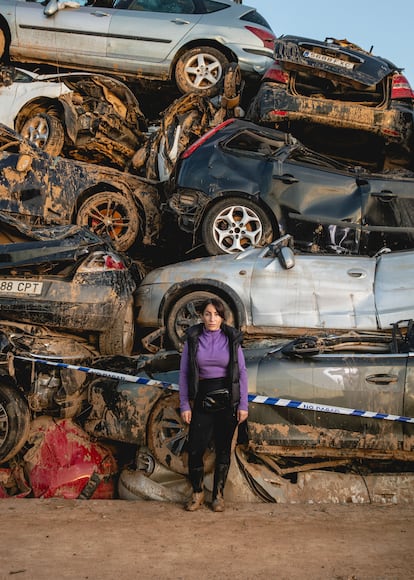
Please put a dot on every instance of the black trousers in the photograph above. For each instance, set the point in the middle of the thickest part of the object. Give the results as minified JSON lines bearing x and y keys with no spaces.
{"x":206,"y":427}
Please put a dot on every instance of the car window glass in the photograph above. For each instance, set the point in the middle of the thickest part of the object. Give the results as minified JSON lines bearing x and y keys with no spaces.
{"x":168,"y":6}
{"x":252,"y":143}
{"x":212,"y":6}
{"x":311,"y":158}
{"x":256,"y":18}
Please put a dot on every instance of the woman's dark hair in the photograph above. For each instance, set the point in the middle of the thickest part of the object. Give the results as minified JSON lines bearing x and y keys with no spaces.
{"x":218,"y":305}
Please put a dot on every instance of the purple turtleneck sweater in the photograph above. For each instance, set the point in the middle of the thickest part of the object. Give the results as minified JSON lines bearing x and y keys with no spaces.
{"x":213,"y":359}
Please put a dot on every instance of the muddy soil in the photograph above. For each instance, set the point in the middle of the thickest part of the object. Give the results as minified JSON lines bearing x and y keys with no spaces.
{"x":100,"y":539}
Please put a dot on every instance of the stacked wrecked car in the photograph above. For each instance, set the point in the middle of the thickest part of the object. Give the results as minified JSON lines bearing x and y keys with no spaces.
{"x":115,"y":227}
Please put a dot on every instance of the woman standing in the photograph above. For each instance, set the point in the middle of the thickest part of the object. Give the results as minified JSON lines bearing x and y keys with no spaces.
{"x":213,"y":397}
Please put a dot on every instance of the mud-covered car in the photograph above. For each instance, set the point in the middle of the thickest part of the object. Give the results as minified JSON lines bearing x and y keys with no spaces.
{"x":68,"y":278}
{"x":187,"y":41}
{"x":28,"y":390}
{"x":38,"y":189}
{"x":331,"y":375}
{"x":89,"y":117}
{"x":273,"y":291}
{"x":242,"y":185}
{"x":316,"y":87}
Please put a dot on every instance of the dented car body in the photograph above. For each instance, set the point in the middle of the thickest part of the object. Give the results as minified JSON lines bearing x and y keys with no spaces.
{"x":335,"y":84}
{"x":242,"y":185}
{"x":38,"y":189}
{"x":69,"y":279}
{"x":272,"y":291}
{"x":88,"y":117}
{"x":366,"y":371}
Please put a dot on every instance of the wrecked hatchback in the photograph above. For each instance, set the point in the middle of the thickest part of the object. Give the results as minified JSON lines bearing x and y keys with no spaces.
{"x":273,"y":291}
{"x":67,"y":278}
{"x":88,"y":117}
{"x":38,"y":189}
{"x":242,"y":185}
{"x":316,"y":87}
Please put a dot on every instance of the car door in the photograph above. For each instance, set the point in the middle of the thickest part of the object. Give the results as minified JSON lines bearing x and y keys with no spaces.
{"x":76,"y":36}
{"x":388,"y":210}
{"x":312,"y":192}
{"x":319,"y":291}
{"x":148,"y":31}
{"x":365,"y":381}
{"x":394,"y":288}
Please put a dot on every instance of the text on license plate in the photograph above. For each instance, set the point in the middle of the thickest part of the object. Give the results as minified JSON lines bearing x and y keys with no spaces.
{"x":328,"y":59}
{"x":20,"y":287}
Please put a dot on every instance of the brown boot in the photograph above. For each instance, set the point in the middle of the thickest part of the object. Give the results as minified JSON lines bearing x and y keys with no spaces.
{"x":196,"y":501}
{"x":218,"y":503}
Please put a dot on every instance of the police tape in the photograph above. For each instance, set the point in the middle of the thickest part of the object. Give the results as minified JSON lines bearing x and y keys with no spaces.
{"x":260,"y":399}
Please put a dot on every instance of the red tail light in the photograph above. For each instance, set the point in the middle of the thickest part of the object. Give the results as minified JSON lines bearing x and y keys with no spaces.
{"x":276,"y":74}
{"x":268,"y":38}
{"x":204,"y":138}
{"x":401,"y":88}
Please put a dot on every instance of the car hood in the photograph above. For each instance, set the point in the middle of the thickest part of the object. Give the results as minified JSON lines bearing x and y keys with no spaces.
{"x":333,"y":58}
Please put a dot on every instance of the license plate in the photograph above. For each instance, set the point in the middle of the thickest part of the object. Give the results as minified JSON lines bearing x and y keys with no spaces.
{"x":20,"y":287}
{"x":328,"y":59}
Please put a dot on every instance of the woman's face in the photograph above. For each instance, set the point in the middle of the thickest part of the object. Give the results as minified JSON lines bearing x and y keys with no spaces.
{"x":211,"y":318}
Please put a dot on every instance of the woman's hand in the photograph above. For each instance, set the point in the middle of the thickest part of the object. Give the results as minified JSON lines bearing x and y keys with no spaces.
{"x":186,"y":417}
{"x":241,"y":415}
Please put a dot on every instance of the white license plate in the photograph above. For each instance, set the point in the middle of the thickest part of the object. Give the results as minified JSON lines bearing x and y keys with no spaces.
{"x":20,"y":287}
{"x":328,"y":59}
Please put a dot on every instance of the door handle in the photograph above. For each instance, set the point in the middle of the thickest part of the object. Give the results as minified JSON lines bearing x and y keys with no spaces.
{"x":286,"y":178}
{"x":99,"y":14}
{"x":356,"y":273}
{"x":180,"y":21}
{"x":382,"y":379}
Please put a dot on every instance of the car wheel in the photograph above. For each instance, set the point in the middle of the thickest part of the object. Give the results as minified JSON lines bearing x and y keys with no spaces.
{"x":14,"y":422}
{"x":235,"y":225}
{"x":111,"y":214}
{"x":186,"y":312}
{"x":119,"y":339}
{"x":167,"y":436}
{"x":45,"y":131}
{"x":200,"y":70}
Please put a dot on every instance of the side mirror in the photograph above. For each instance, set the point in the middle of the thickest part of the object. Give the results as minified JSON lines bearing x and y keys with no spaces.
{"x":286,"y":257}
{"x":55,"y":5}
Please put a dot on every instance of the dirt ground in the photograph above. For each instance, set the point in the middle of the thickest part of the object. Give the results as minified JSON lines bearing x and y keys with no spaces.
{"x":102,"y":539}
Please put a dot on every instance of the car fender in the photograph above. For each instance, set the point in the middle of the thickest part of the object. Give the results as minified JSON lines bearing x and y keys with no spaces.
{"x":222,"y":290}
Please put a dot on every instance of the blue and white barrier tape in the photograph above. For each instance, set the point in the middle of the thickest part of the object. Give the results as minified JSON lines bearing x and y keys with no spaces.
{"x":273,"y":401}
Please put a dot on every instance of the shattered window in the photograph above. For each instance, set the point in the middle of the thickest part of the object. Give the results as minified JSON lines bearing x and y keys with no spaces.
{"x":312,"y":158}
{"x":253,"y":143}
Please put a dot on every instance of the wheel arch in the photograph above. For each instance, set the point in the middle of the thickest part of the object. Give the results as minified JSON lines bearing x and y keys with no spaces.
{"x":223,"y":291}
{"x":198,"y":43}
{"x":5,"y":29}
{"x":38,"y":105}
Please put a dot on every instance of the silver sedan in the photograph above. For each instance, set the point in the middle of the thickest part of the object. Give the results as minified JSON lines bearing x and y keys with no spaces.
{"x":187,"y":41}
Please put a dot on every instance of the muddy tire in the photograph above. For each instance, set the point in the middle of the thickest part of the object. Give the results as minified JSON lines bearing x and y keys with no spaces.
{"x":232,"y":80}
{"x":111,"y":214}
{"x":200,"y":70}
{"x":235,"y":225}
{"x":119,"y":339}
{"x":186,"y":312}
{"x":167,"y":436}
{"x":45,"y":131}
{"x":14,"y":422}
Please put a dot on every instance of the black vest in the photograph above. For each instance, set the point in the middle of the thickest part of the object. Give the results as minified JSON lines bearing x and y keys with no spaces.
{"x":235,"y":339}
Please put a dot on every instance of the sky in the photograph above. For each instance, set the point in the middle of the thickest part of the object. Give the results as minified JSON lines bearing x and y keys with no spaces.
{"x":384,"y":24}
